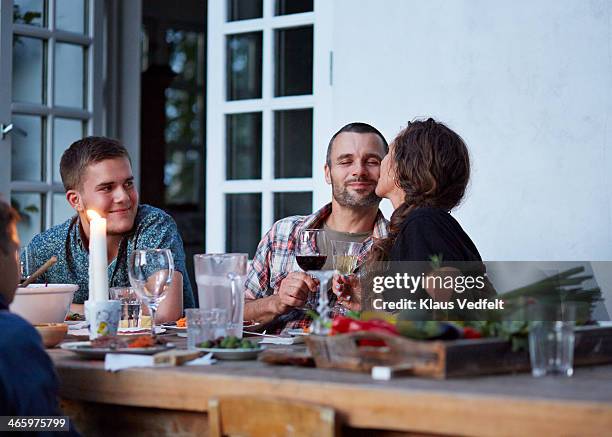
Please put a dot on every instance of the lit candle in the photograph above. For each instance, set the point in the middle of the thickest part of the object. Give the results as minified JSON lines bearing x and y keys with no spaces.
{"x":98,"y":277}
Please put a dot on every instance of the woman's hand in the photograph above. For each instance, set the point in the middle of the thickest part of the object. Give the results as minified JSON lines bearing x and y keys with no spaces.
{"x":347,"y":288}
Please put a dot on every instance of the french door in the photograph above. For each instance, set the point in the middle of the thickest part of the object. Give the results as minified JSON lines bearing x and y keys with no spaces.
{"x":50,"y":89}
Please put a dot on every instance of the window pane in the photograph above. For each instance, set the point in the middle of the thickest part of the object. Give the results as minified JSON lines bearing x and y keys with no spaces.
{"x":244,"y":9}
{"x":288,"y":204}
{"x":243,"y":150}
{"x":62,"y":210}
{"x":182,"y":117}
{"x":65,"y":132}
{"x":293,"y":144}
{"x":242,"y":223}
{"x":27,"y":151}
{"x":244,"y":66}
{"x":182,"y":176}
{"x":285,"y":7}
{"x":29,"y":207}
{"x":29,"y":12}
{"x":70,"y":15}
{"x":27,"y":70}
{"x":69,"y":75}
{"x":293,"y":55}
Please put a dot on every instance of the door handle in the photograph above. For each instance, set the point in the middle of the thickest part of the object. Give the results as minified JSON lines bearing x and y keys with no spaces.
{"x":8,"y":128}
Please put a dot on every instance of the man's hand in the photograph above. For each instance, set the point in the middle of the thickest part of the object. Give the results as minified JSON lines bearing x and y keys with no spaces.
{"x":294,"y":291}
{"x":348,"y":290}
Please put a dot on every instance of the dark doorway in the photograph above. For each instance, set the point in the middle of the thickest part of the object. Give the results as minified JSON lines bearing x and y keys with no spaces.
{"x":173,"y":114}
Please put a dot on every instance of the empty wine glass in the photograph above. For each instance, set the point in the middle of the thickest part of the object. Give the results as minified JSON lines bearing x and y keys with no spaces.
{"x":150,"y":272}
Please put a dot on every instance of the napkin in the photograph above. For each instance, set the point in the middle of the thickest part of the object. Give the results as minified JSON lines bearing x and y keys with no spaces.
{"x":116,"y":362}
{"x":282,"y":340}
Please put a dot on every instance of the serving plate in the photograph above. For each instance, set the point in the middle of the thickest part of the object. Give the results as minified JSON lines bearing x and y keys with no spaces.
{"x":84,"y":349}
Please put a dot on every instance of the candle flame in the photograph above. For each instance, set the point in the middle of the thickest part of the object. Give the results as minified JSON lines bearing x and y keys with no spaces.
{"x":92,"y":215}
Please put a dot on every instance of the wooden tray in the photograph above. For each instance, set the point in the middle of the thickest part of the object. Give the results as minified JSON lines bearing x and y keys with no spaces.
{"x":447,"y":359}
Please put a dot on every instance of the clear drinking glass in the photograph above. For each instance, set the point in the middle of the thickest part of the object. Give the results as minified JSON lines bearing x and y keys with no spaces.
{"x":150,"y":272}
{"x":130,"y":306}
{"x":203,"y":325}
{"x":551,"y":339}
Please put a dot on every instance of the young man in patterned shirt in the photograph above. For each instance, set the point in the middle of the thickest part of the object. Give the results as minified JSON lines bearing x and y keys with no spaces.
{"x":276,"y":288}
{"x":97,"y":174}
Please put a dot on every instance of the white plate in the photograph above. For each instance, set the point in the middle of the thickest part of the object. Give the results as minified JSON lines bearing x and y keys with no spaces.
{"x":84,"y":349}
{"x":233,"y":354}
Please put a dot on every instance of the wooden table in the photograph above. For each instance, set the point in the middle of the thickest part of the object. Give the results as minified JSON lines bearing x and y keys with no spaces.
{"x":174,"y":400}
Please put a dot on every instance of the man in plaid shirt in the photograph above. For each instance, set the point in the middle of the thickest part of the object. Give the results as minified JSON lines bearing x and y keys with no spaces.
{"x":276,"y":288}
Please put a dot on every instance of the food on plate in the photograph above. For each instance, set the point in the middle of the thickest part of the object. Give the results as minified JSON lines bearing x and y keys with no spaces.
{"x":75,"y":317}
{"x":230,"y":342}
{"x":122,"y":342}
{"x":182,"y":322}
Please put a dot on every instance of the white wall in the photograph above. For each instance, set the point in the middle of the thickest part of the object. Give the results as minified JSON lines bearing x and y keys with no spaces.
{"x":528,"y":84}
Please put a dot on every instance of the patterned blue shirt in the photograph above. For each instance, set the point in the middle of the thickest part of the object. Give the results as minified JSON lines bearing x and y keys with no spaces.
{"x":153,"y":229}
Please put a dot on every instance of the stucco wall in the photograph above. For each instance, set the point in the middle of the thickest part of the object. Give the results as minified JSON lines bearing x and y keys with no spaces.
{"x":528,"y":84}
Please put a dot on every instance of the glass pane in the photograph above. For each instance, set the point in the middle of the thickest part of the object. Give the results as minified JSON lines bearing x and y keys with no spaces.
{"x":288,"y":204}
{"x":244,"y":9}
{"x":285,"y":7}
{"x":27,"y":151}
{"x":242,"y":223}
{"x":182,"y":176}
{"x":244,"y":66}
{"x":182,"y":116}
{"x":27,"y":70}
{"x":243,"y":150}
{"x":293,"y":55}
{"x":70,"y":15}
{"x":69,"y":75}
{"x":29,"y":12}
{"x":62,"y":210}
{"x":65,"y":132}
{"x":29,"y":207}
{"x":293,"y":143}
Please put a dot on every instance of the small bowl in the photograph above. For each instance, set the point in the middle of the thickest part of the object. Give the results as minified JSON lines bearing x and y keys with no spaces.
{"x":52,"y":333}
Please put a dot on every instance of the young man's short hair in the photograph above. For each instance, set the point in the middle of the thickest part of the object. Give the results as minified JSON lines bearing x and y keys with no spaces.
{"x":8,"y":216}
{"x":84,"y":152}
{"x":358,"y":128}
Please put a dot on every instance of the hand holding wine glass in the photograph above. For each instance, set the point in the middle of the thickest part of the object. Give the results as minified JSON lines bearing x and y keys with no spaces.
{"x":150,"y":272}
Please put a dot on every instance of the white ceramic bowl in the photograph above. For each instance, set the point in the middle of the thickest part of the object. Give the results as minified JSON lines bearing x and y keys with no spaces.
{"x":40,"y":303}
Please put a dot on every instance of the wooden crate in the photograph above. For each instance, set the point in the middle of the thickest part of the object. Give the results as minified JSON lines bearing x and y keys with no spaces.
{"x":447,"y":359}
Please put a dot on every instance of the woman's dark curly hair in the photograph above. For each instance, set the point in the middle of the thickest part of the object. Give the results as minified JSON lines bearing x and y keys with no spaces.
{"x":431,"y":165}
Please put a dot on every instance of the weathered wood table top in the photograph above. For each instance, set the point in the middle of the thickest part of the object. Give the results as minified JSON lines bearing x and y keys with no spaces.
{"x":506,"y":404}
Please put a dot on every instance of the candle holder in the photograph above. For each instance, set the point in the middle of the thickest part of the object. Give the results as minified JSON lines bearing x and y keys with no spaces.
{"x":103,"y":317}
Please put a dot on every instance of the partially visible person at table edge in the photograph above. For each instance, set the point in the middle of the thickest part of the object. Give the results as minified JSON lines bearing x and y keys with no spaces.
{"x":425,"y":175}
{"x":276,"y":288}
{"x":28,"y":384}
{"x":97,"y":174}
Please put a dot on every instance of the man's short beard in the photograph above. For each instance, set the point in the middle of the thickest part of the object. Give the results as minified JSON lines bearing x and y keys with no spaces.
{"x":342,"y":195}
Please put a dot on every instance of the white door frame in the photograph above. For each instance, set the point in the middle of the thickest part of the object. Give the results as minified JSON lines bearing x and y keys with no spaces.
{"x":218,"y":107}
{"x":6,"y":67}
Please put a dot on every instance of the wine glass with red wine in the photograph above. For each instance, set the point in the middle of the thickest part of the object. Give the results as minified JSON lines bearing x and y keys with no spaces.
{"x":311,"y":254}
{"x":311,"y":250}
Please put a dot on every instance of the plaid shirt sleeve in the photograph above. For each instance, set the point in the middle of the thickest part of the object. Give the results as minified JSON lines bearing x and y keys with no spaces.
{"x":258,"y":276}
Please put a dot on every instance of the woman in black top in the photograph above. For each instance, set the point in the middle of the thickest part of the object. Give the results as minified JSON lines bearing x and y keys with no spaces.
{"x":425,"y":175}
